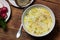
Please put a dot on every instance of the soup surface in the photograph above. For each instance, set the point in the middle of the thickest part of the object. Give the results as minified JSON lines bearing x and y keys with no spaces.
{"x":23,"y":2}
{"x":37,"y":20}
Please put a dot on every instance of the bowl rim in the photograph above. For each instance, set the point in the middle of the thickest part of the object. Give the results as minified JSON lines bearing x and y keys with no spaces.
{"x":16,"y":5}
{"x":52,"y":14}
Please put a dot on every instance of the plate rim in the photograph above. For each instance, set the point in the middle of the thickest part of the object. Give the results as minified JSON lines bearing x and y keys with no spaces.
{"x":9,"y":10}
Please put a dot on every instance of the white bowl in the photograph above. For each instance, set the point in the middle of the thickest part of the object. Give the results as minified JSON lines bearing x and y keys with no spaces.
{"x":52,"y":15}
{"x":5,"y":3}
{"x":14,"y":3}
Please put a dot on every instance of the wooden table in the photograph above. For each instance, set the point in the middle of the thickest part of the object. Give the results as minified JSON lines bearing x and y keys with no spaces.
{"x":15,"y":21}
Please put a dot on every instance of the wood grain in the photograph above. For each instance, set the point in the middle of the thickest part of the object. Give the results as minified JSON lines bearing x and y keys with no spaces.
{"x":54,"y":1}
{"x":15,"y":21}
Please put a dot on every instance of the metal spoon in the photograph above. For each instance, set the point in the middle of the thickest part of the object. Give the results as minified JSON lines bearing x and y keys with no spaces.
{"x":19,"y":32}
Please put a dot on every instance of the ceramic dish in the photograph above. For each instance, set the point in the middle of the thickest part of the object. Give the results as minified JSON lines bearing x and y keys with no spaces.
{"x":5,"y":3}
{"x":14,"y":3}
{"x":52,"y":16}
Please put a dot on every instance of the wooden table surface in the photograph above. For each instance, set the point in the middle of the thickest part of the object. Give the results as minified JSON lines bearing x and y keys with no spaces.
{"x":15,"y":21}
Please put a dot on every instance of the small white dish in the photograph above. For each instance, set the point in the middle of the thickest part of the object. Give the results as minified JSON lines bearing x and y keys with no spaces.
{"x":52,"y":15}
{"x":14,"y":3}
{"x":5,"y":3}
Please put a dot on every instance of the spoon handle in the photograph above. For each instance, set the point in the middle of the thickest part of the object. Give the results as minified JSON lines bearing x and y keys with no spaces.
{"x":19,"y":32}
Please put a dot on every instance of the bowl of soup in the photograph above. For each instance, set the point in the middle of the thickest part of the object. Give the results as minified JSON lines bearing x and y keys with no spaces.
{"x":38,"y":20}
{"x":24,"y":3}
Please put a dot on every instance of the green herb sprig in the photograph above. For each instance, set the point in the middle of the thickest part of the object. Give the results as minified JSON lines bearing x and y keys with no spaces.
{"x":3,"y":23}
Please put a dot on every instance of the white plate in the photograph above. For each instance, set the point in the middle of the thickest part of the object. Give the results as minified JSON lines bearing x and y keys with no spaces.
{"x":14,"y":3}
{"x":5,"y":3}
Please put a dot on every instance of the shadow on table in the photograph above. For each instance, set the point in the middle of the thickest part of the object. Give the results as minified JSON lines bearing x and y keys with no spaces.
{"x":50,"y":36}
